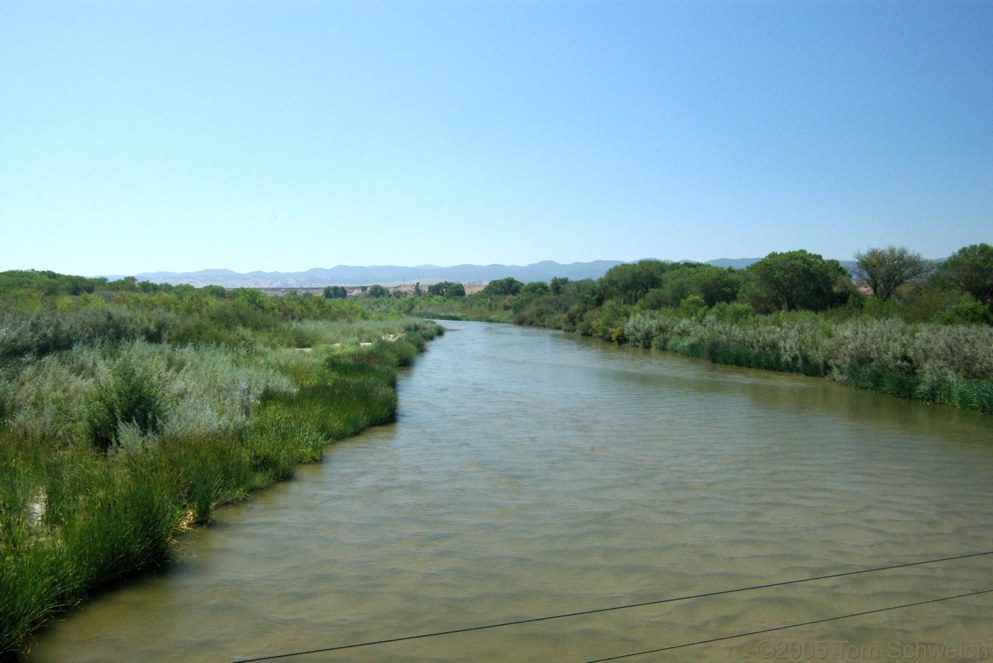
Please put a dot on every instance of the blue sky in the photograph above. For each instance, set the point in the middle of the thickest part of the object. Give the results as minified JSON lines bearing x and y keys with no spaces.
{"x":280,"y":135}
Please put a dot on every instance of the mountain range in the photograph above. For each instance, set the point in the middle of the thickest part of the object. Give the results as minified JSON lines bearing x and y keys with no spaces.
{"x":389,"y":275}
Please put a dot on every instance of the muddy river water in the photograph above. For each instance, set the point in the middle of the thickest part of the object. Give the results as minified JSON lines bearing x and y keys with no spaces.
{"x":533,"y":474}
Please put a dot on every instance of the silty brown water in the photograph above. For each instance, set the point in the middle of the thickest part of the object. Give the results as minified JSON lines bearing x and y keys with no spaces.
{"x":532,"y":473}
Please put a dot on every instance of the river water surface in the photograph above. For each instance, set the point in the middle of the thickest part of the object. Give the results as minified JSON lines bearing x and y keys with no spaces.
{"x":532,"y":473}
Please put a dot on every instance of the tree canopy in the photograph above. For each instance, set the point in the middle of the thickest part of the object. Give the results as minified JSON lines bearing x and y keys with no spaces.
{"x":507,"y":286}
{"x":629,"y":282}
{"x":335,"y":292}
{"x":885,"y":270}
{"x":798,"y":280}
{"x":447,"y":289}
{"x":971,"y":269}
{"x":376,"y":290}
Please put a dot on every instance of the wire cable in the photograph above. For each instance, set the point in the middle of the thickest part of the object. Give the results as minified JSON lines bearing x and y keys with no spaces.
{"x":788,"y":626}
{"x":628,"y":606}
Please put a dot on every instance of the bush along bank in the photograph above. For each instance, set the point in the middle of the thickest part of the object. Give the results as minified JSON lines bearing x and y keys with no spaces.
{"x":951,"y":364}
{"x":111,"y":446}
{"x":896,"y":323}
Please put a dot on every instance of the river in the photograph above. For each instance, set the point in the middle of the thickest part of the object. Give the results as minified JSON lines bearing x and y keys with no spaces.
{"x":532,"y":473}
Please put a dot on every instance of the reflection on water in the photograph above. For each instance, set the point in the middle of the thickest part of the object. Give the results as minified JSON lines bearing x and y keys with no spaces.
{"x":532,"y":473}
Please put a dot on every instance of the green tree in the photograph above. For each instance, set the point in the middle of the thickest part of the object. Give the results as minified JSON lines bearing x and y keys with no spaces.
{"x":885,"y":270}
{"x":797,"y":280}
{"x":377,"y":291}
{"x":507,"y":286}
{"x":447,"y":289}
{"x":629,"y":282}
{"x":536,"y":288}
{"x":681,"y":280}
{"x":335,"y":292}
{"x":970,"y":269}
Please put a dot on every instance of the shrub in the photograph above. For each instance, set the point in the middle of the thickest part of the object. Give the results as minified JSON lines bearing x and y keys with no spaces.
{"x":130,"y":394}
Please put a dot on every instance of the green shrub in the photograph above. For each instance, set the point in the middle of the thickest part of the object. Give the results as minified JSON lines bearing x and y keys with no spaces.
{"x":130,"y":394}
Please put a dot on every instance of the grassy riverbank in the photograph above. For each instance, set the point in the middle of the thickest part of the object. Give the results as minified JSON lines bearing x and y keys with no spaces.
{"x":926,"y":336}
{"x":949,"y":364}
{"x":129,"y":412}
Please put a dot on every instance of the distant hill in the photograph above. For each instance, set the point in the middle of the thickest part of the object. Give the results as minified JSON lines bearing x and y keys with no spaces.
{"x":737,"y":263}
{"x":391,"y":275}
{"x":384,"y":275}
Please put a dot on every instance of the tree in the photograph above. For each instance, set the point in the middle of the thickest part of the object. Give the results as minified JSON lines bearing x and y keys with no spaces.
{"x":797,"y":280}
{"x":447,"y":289}
{"x":335,"y":292}
{"x":536,"y":288}
{"x":629,"y":282}
{"x":885,"y":270}
{"x":713,"y":284}
{"x":507,"y":286}
{"x":971,"y":269}
{"x":377,"y":290}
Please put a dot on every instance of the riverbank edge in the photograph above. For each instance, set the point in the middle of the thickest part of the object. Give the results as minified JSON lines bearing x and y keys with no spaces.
{"x":138,"y":510}
{"x":797,"y":346}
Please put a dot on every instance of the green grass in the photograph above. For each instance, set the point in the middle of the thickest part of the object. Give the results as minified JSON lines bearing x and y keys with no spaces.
{"x":114,"y":439}
{"x":936,"y":363}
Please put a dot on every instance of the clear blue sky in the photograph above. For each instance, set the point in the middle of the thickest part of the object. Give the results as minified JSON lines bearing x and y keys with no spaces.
{"x":148,"y":135}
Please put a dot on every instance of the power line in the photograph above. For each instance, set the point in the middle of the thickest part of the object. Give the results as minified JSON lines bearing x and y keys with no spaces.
{"x":628,"y":606}
{"x":788,"y":626}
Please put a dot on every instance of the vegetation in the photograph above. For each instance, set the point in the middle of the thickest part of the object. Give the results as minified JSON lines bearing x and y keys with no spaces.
{"x":335,"y":292}
{"x":970,"y":269}
{"x":885,"y":270}
{"x":130,"y":411}
{"x":919,"y":334}
{"x":447,"y":289}
{"x":797,"y":280}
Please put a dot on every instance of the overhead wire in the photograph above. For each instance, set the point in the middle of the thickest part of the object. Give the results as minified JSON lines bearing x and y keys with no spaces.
{"x":641,"y":604}
{"x":773,"y":629}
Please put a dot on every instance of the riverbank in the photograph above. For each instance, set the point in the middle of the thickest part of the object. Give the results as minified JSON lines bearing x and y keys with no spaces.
{"x":127,"y":418}
{"x":496,"y":498}
{"x":931,"y":341}
{"x":941,"y":364}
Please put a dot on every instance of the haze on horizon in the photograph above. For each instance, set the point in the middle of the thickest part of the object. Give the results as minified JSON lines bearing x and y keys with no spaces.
{"x":269,"y":136}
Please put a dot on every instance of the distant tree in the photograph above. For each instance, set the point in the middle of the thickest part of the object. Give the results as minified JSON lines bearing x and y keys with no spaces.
{"x":335,"y":292}
{"x":242,"y":293}
{"x":970,"y":269}
{"x":417,"y":289}
{"x":797,"y":280}
{"x":629,"y":282}
{"x":558,"y":285}
{"x":885,"y":270}
{"x":536,"y":288}
{"x":717,"y":284}
{"x":377,"y":291}
{"x":681,"y":280}
{"x":447,"y":289}
{"x":507,"y":286}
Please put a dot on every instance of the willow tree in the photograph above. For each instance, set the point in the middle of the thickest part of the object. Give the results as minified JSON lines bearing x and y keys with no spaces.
{"x":885,"y":270}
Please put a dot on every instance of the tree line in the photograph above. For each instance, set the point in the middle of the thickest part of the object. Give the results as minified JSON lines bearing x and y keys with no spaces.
{"x":896,"y":323}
